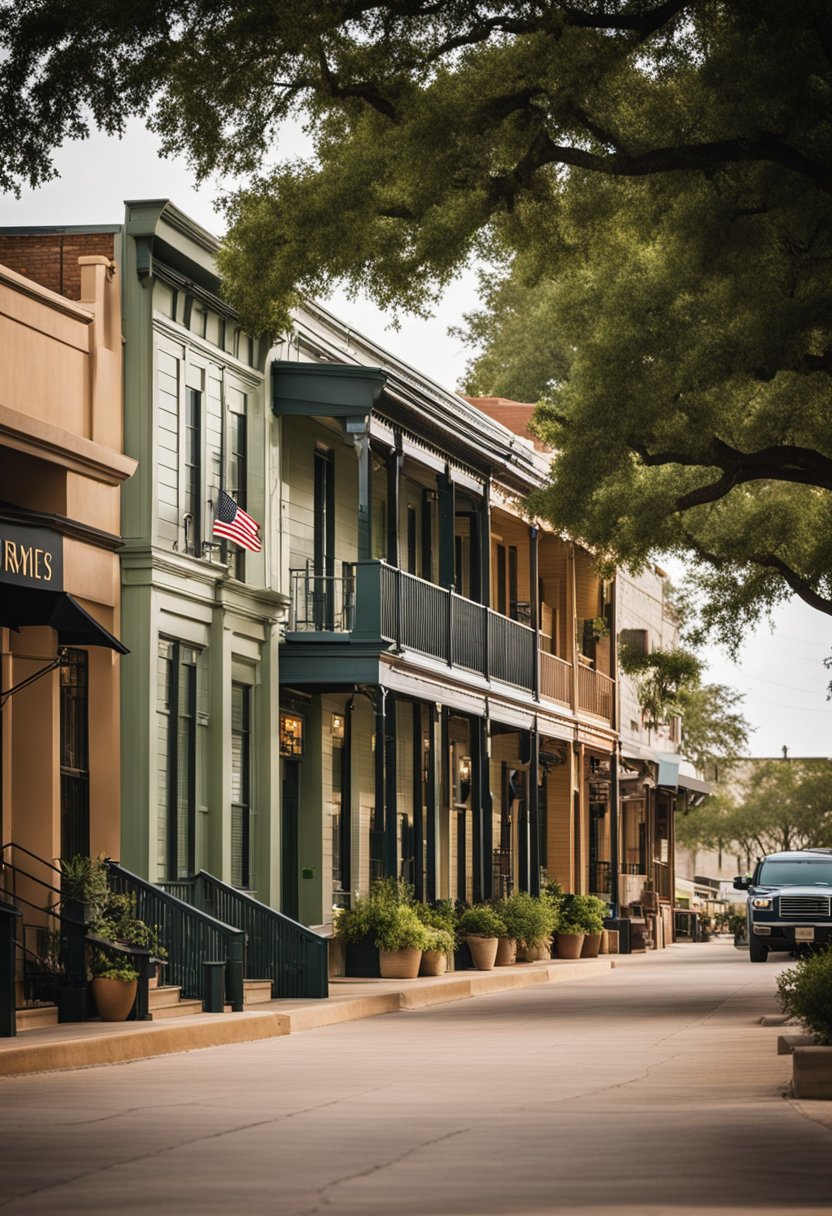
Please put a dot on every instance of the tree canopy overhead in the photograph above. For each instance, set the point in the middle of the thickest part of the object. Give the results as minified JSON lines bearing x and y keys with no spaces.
{"x":649,"y":180}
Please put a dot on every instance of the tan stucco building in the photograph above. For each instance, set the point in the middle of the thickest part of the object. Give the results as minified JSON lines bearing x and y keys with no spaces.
{"x":61,"y":469}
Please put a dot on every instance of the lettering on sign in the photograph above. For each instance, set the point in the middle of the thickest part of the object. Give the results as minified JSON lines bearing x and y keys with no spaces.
{"x":31,"y":557}
{"x":28,"y":561}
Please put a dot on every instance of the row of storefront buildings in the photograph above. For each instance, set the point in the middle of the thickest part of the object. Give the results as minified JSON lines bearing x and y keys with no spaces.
{"x":412,"y":677}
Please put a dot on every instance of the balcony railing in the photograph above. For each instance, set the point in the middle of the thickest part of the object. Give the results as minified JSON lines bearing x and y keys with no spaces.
{"x":322,"y":602}
{"x":555,"y":678}
{"x":374,"y":601}
{"x":595,"y":693}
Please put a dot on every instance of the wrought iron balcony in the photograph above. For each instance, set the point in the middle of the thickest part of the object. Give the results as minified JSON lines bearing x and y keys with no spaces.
{"x":374,"y":604}
{"x":372,"y":601}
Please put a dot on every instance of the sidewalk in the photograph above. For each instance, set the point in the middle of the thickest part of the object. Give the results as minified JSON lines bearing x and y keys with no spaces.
{"x":85,"y":1044}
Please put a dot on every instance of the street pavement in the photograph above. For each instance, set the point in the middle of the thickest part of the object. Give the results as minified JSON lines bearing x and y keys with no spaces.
{"x":650,"y":1089}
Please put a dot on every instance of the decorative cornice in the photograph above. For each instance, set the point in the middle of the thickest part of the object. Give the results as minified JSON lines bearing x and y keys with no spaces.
{"x":62,"y":524}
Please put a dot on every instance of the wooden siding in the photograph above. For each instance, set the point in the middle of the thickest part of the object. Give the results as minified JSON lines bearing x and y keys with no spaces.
{"x":168,"y":399}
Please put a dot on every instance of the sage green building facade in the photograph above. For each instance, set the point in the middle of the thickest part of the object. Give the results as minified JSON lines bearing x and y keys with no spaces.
{"x":199,"y":779}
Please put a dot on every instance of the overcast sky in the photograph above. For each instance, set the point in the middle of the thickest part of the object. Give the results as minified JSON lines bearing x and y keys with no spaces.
{"x":780,"y":671}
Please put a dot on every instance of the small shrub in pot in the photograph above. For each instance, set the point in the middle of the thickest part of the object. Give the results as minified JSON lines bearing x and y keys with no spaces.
{"x":805,"y":993}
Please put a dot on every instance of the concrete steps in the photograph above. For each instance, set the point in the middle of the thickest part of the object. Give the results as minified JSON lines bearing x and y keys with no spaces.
{"x":35,"y":1017}
{"x":256,"y":992}
{"x":167,"y":1002}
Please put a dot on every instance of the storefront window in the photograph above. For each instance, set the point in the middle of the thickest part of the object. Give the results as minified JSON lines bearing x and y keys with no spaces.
{"x":75,"y":810}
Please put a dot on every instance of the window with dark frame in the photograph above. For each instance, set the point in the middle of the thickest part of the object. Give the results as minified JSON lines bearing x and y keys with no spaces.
{"x":176,"y":725}
{"x":192,"y":473}
{"x":411,"y":539}
{"x":238,"y":474}
{"x":74,"y":718}
{"x":241,"y":868}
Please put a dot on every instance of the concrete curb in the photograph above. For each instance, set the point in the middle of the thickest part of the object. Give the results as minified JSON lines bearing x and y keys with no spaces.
{"x":87,"y":1046}
{"x":812,"y":1072}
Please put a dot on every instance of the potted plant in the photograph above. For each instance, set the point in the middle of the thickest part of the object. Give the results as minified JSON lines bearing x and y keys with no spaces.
{"x":383,"y":924}
{"x":114,"y":987}
{"x":529,"y":922}
{"x":439,"y":944}
{"x":805,"y":993}
{"x":115,"y":931}
{"x":481,"y":928}
{"x":439,"y":920}
{"x":570,"y":928}
{"x":592,"y":912}
{"x":400,"y":937}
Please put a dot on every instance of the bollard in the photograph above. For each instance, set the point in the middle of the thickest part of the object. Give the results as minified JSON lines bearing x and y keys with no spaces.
{"x":213,"y":984}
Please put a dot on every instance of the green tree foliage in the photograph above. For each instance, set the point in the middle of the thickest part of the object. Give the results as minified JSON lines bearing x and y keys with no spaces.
{"x":668,"y":685}
{"x":785,"y":804}
{"x":650,"y":181}
{"x":714,"y":729}
{"x":805,"y":993}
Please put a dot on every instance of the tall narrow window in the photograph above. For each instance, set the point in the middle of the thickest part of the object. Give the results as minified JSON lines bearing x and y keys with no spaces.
{"x":75,"y":806}
{"x":501,"y":579}
{"x":193,"y":462}
{"x":411,"y":539}
{"x":512,"y":581}
{"x":241,"y":875}
{"x":324,"y":540}
{"x":428,"y":507}
{"x":176,"y":734}
{"x":238,"y":474}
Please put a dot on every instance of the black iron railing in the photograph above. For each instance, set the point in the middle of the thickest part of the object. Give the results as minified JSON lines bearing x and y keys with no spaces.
{"x":191,"y":937}
{"x":277,"y":948}
{"x":322,"y":602}
{"x":46,"y":941}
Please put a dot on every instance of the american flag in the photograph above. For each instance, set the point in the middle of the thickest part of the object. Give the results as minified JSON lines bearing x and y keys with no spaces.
{"x":232,"y":522}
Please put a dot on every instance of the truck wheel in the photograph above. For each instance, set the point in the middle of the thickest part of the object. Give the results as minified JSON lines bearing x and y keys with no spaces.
{"x":757,"y":951}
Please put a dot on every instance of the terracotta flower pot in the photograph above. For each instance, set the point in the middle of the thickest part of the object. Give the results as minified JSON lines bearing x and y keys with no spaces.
{"x":592,"y":945}
{"x":434,"y":962}
{"x":113,"y":998}
{"x":506,"y":952}
{"x":399,"y":964}
{"x":533,"y":952}
{"x":570,"y":945}
{"x":483,"y":952}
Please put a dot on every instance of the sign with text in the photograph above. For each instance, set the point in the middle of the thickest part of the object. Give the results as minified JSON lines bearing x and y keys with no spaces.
{"x":31,"y":557}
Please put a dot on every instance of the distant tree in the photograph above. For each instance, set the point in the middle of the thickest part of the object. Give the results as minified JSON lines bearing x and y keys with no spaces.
{"x":785,"y":805}
{"x":669,"y":684}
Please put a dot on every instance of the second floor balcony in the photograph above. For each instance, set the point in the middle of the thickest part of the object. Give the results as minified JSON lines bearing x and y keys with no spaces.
{"x":373,"y":603}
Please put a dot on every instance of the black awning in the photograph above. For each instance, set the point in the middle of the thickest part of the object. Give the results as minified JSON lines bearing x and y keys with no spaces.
{"x":22,"y":606}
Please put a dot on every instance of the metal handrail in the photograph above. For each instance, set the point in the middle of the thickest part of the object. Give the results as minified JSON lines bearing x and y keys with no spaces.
{"x":11,"y":844}
{"x":191,"y":936}
{"x":279,"y":949}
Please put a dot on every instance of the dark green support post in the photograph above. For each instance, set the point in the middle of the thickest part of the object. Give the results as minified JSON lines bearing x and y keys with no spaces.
{"x":391,"y":844}
{"x":418,"y":800}
{"x":430,"y":808}
{"x":365,"y":495}
{"x":213,"y":986}
{"x":483,"y":744}
{"x":447,"y":518}
{"x":234,"y":976}
{"x":534,"y":595}
{"x":394,"y":468}
{"x":534,"y":812}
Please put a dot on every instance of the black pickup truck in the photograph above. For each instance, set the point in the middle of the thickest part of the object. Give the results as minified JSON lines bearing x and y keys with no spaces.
{"x":789,"y":902}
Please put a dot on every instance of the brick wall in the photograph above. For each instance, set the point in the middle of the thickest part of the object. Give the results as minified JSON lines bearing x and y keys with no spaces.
{"x":514,"y":415}
{"x":51,"y":258}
